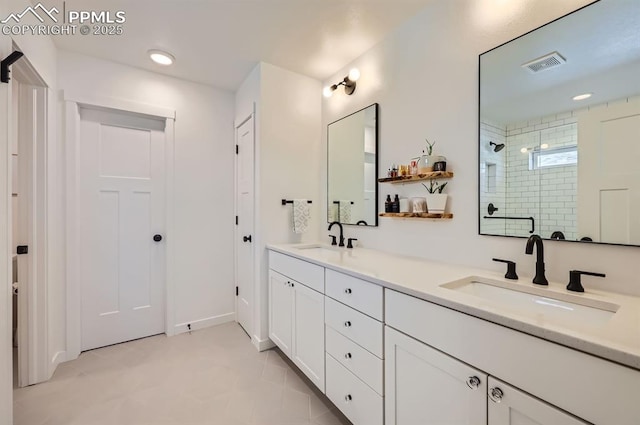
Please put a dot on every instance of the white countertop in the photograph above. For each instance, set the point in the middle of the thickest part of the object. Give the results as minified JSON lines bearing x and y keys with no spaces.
{"x":617,"y":339}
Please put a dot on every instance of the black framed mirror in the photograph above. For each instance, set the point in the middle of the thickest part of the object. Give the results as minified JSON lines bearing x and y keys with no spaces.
{"x":559,"y":129}
{"x":352,"y":168}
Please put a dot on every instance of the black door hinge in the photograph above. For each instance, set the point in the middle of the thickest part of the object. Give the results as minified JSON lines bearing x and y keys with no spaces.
{"x":22,"y":249}
{"x":236,"y":220}
{"x":237,"y":149}
{"x":236,"y":291}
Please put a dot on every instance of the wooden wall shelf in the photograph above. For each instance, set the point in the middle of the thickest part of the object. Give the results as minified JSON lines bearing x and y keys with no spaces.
{"x":418,"y":177}
{"x":445,"y":216}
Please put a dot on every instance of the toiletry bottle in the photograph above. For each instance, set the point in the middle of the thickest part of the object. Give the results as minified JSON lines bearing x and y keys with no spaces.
{"x":387,"y":204}
{"x":395,"y":205}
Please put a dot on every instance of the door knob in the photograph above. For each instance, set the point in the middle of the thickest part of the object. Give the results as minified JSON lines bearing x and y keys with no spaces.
{"x":246,"y":238}
{"x":157,"y":238}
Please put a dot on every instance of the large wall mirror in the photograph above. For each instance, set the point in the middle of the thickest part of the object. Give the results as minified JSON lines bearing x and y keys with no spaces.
{"x":560,"y":129}
{"x":352,"y":168}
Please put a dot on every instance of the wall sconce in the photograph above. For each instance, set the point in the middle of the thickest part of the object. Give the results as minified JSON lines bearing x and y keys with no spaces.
{"x":349,"y":84}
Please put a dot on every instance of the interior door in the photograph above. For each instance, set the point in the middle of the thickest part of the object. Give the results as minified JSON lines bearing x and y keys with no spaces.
{"x":425,"y":386}
{"x":122,"y":252}
{"x":608,"y":174}
{"x":510,"y":406}
{"x":244,"y":228}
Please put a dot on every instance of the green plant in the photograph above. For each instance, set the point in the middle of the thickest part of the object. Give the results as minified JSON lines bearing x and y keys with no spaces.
{"x":429,"y":147}
{"x":434,"y":186}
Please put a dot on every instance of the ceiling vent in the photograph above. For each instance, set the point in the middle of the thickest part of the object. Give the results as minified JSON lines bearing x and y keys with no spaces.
{"x":551,"y":60}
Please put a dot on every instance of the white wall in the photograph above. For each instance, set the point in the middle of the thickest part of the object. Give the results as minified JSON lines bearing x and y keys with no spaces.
{"x":288,"y":109}
{"x":425,"y":78}
{"x":203,"y":230}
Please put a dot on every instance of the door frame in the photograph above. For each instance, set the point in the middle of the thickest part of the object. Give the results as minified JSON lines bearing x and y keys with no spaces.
{"x":239,"y":123}
{"x":72,"y":104}
{"x":33,"y":362}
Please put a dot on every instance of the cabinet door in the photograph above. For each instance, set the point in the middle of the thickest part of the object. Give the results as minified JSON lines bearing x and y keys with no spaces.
{"x":308,"y":332}
{"x":423,"y":386}
{"x":510,"y":406}
{"x":280,"y":317}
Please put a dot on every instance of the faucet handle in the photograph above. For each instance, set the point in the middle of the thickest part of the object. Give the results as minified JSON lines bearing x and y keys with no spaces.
{"x":333,"y":240}
{"x":511,"y":268}
{"x":575,"y":284}
{"x":349,"y":242}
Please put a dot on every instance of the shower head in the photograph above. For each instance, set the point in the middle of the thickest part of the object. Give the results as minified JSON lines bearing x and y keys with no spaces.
{"x":497,"y":146}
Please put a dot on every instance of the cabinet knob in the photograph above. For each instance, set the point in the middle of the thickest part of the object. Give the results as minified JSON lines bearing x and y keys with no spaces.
{"x":473,"y":382}
{"x":291,"y":284}
{"x":348,"y":398}
{"x":347,"y":291}
{"x":347,"y":324}
{"x":347,"y":356}
{"x":496,"y":394}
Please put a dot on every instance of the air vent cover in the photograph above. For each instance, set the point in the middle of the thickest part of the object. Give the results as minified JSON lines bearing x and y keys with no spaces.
{"x":551,"y":60}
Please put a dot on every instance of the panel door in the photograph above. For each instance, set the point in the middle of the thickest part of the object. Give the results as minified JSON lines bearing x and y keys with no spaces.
{"x":510,"y":406}
{"x":121,"y":209}
{"x":423,"y":386}
{"x":608,"y":174}
{"x":280,"y":313}
{"x":245,"y":212}
{"x":308,"y":332}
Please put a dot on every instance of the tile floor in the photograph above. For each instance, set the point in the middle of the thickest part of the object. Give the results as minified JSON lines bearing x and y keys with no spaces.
{"x":209,"y":377}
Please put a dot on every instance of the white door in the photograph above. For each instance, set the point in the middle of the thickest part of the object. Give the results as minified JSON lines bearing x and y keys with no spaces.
{"x":280,"y":315}
{"x":608,"y":174}
{"x":510,"y":406}
{"x":308,"y":332}
{"x":121,"y":212}
{"x":244,"y":228}
{"x":424,"y":386}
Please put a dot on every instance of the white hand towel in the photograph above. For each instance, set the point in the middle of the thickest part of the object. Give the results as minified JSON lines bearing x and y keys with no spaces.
{"x":301,"y":214}
{"x":345,"y":211}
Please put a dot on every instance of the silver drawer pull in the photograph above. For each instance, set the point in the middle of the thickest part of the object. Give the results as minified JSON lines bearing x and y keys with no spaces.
{"x":348,"y":398}
{"x":496,"y":394}
{"x":347,"y":291}
{"x":347,"y":324}
{"x":473,"y":382}
{"x":347,"y":356}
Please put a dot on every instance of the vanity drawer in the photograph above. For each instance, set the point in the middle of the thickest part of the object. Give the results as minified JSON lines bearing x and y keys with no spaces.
{"x":356,"y":359}
{"x":306,"y":273}
{"x":354,"y":398}
{"x":586,"y":386}
{"x":362,"y":295}
{"x":358,"y":327}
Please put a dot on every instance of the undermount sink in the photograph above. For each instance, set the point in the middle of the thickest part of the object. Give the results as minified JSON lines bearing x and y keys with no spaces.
{"x":319,"y":248}
{"x":537,"y":301}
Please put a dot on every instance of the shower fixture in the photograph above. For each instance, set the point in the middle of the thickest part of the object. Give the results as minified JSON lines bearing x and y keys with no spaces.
{"x":497,"y":146}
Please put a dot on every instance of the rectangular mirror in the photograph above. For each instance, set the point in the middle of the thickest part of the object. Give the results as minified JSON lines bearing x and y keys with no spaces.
{"x":352,"y":168}
{"x":560,"y":129}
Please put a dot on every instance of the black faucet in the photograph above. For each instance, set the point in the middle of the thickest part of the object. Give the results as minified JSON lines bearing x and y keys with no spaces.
{"x":341,"y":234}
{"x":539,"y":279}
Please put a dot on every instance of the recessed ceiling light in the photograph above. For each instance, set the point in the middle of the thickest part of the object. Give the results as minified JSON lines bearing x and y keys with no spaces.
{"x":161,"y":58}
{"x":582,"y":96}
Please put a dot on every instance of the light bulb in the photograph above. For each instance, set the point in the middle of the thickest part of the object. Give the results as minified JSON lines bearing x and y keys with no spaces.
{"x":327,"y":91}
{"x":582,"y":96}
{"x":354,"y":74}
{"x":524,"y":150}
{"x":544,"y":146}
{"x":160,"y":57}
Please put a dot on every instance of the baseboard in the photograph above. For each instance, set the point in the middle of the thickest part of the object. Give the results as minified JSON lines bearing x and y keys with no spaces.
{"x":59,"y":357}
{"x":203,"y":323}
{"x":262,"y":344}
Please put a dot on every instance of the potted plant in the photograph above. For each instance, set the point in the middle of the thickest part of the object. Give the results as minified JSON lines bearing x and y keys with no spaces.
{"x":436,"y":200}
{"x":425,"y":164}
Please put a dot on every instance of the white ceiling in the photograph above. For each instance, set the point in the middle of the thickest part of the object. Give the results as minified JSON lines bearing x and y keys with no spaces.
{"x":218,"y":42}
{"x":601,"y":44}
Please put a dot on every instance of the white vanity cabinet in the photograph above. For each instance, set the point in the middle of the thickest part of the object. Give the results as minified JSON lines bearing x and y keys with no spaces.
{"x":296,"y":314}
{"x":425,"y":386}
